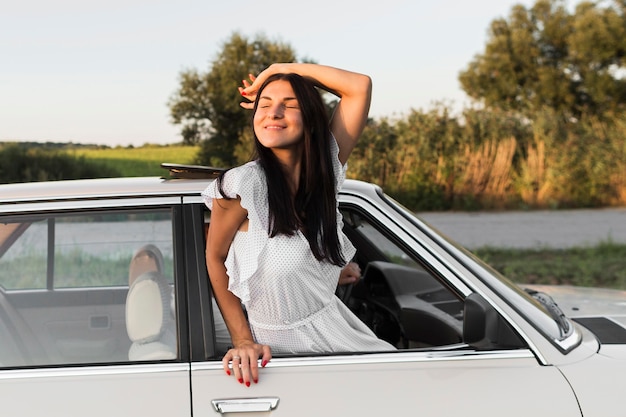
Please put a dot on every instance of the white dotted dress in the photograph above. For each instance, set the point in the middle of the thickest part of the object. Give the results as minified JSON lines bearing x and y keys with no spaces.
{"x":288,"y":294}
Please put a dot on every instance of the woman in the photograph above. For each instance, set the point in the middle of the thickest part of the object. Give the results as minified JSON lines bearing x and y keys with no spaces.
{"x":275,"y":242}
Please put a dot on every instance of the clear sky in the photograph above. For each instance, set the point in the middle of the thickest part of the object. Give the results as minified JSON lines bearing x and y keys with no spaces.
{"x":102,"y":71}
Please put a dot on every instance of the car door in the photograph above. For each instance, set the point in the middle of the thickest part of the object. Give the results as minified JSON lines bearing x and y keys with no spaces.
{"x":427,"y":379}
{"x":436,"y":383}
{"x":91,"y":323}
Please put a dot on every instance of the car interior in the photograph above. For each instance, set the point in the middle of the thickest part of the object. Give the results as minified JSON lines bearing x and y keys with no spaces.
{"x":397,"y":297}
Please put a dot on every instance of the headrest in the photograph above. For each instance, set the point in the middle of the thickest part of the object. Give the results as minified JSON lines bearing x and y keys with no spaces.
{"x":148,"y":307}
{"x":145,"y":259}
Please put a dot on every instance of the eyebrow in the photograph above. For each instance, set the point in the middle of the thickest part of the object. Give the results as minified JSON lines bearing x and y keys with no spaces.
{"x":271,"y":99}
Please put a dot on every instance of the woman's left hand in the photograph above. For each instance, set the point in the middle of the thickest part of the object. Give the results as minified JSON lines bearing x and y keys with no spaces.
{"x":350,"y":274}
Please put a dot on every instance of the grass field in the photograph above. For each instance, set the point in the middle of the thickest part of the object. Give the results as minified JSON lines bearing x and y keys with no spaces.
{"x":603,"y":265}
{"x":137,"y":162}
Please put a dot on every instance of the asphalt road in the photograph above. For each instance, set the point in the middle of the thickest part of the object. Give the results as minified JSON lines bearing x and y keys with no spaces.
{"x":531,"y":229}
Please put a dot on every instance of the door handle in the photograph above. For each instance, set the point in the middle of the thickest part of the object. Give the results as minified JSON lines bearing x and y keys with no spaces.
{"x":245,"y":405}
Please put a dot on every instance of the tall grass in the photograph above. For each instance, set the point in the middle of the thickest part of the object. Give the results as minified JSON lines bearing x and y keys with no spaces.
{"x":492,"y":159}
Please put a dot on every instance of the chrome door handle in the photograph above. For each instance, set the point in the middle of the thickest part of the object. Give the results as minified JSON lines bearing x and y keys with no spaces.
{"x":245,"y":405}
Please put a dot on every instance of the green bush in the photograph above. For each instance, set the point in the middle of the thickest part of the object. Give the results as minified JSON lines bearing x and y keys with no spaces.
{"x":21,"y":163}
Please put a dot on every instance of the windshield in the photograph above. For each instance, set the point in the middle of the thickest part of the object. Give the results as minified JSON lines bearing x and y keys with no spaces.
{"x":538,"y":308}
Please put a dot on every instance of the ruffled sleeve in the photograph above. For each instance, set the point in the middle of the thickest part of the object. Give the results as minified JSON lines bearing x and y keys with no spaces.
{"x":347,"y":249}
{"x":247,"y":182}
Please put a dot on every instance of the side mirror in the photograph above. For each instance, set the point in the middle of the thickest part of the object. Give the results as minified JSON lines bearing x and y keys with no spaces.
{"x":484,"y":328}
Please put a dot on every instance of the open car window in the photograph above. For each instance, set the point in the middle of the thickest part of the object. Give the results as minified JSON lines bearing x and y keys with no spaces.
{"x":397,"y":297}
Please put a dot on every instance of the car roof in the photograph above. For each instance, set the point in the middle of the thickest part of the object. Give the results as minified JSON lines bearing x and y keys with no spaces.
{"x":127,"y":187}
{"x":100,"y":188}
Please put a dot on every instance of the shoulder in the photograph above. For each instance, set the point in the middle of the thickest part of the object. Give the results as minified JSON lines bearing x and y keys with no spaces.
{"x":248,"y":183}
{"x":243,"y":176}
{"x":243,"y":181}
{"x":250,"y":169}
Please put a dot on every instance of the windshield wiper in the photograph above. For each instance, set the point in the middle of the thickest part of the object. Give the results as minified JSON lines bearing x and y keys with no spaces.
{"x":553,"y":310}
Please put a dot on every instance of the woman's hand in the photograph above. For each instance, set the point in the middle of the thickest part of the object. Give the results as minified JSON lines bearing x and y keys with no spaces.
{"x":248,"y":93}
{"x":350,"y":274}
{"x":251,"y":88}
{"x":245,"y":361}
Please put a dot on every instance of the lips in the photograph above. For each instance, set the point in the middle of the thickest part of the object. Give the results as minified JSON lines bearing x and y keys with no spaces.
{"x":274,"y":127}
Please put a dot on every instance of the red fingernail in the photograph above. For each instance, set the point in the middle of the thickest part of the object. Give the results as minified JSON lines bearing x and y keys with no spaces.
{"x":247,"y":383}
{"x":240,"y":380}
{"x":256,"y":381}
{"x":263,"y":363}
{"x":243,"y":93}
{"x":228,"y":372}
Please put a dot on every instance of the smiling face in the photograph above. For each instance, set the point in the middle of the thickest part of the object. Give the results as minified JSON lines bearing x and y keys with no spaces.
{"x":278,"y":119}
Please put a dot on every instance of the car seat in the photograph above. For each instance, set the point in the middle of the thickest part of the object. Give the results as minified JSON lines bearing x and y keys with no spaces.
{"x":150,"y":323}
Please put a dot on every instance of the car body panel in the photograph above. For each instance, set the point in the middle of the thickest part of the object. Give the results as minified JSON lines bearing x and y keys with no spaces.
{"x":597,"y":385}
{"x":495,"y":383}
{"x":133,"y":390}
{"x":90,"y":371}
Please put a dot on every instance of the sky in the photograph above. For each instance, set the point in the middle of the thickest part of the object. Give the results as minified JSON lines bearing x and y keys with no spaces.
{"x":102,"y":72}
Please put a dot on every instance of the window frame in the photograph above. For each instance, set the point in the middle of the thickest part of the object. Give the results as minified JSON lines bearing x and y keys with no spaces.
{"x":134,"y":205}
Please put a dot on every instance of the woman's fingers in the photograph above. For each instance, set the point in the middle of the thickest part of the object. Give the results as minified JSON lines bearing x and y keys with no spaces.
{"x":237,"y":368}
{"x":267,"y":356}
{"x":232,"y":357}
{"x":249,"y":90}
{"x":226,"y":364}
{"x":350,"y":274}
{"x":245,"y":363}
{"x":250,"y":368}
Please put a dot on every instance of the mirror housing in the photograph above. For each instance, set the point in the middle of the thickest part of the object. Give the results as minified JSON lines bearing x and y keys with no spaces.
{"x":484,"y":328}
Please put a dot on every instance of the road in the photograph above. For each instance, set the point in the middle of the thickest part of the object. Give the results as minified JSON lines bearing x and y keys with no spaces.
{"x":531,"y":229}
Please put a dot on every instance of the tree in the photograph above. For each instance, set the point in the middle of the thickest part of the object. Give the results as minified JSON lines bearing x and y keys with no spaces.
{"x":546,"y":57}
{"x":206,"y":105}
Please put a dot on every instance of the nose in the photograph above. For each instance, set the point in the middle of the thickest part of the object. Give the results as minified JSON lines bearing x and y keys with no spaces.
{"x":275,"y":112}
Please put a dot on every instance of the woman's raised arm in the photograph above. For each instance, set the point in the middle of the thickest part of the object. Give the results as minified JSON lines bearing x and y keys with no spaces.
{"x":353,"y":89}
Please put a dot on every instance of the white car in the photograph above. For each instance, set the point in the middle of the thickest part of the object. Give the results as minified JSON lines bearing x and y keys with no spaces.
{"x":106,"y":310}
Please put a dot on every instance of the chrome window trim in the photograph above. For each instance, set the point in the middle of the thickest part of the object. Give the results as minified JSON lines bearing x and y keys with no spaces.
{"x":193,"y":199}
{"x":384,"y":358}
{"x":95,"y":370}
{"x":569,"y":342}
{"x":67,"y":205}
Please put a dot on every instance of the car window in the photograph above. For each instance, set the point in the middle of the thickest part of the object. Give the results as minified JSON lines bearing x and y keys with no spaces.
{"x":539,"y":309}
{"x":401,"y":298}
{"x":87,"y":288}
{"x":397,"y":297}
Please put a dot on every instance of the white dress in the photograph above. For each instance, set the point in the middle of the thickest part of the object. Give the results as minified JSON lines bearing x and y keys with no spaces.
{"x":288,"y":294}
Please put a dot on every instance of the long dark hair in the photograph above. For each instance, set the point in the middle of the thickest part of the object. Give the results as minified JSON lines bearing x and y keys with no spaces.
{"x":313,"y":210}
